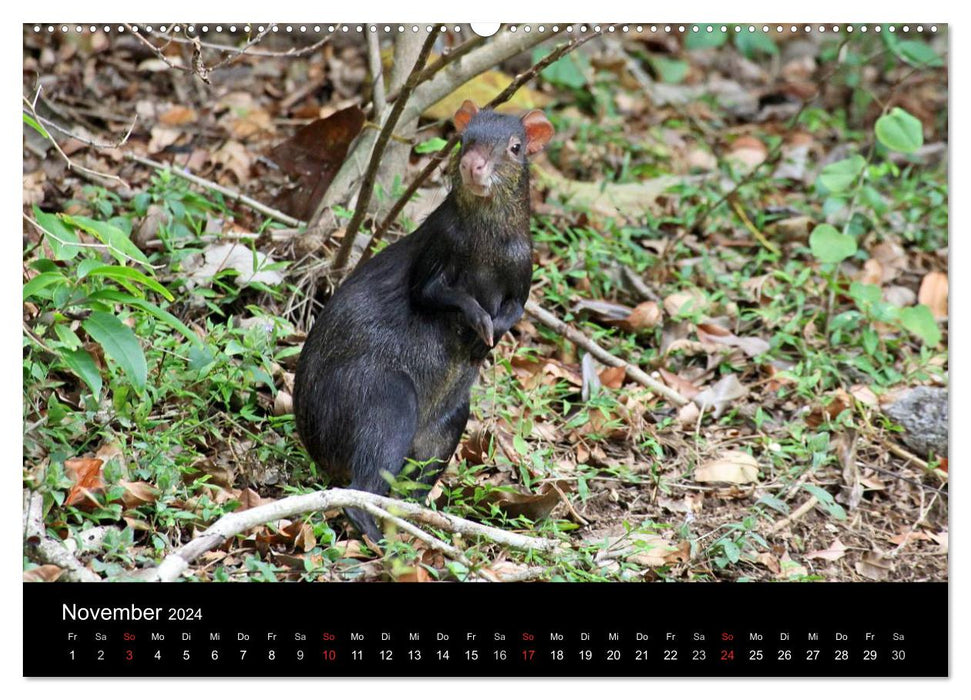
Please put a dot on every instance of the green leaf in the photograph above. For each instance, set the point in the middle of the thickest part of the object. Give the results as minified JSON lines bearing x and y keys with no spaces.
{"x":829,"y":245}
{"x":81,"y":363}
{"x":920,"y":321}
{"x":568,"y":71}
{"x":44,"y":279}
{"x":156,"y":311}
{"x":840,"y":175}
{"x":119,"y":245}
{"x":119,"y":272}
{"x":669,"y":70}
{"x":35,"y":125}
{"x":703,"y":39}
{"x":826,"y":500}
{"x":900,"y":131}
{"x":752,"y":43}
{"x":67,"y":337}
{"x":431,"y":145}
{"x":119,"y":343}
{"x":917,"y":53}
{"x":59,"y":237}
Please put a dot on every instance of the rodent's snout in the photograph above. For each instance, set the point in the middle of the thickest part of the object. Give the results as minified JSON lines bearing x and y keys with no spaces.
{"x":476,"y":170}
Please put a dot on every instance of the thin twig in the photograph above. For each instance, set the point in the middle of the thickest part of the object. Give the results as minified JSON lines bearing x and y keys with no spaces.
{"x":71,"y":165}
{"x":444,"y":152}
{"x":433,"y":542}
{"x":225,"y":191}
{"x":367,"y":185}
{"x":577,"y":338}
{"x":443,"y":60}
{"x":161,"y":54}
{"x":794,"y":515}
{"x":262,"y":53}
{"x":377,"y":73}
{"x":238,"y":53}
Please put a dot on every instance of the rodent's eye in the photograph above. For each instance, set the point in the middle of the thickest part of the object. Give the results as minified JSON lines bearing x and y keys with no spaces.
{"x":515,"y":147}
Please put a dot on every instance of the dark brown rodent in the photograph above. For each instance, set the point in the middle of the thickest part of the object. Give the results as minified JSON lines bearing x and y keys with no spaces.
{"x":386,"y":372}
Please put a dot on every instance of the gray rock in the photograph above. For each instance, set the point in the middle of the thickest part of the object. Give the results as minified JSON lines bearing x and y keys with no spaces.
{"x":922,"y":411}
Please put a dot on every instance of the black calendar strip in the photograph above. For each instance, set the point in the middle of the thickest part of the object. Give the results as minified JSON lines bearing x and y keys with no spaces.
{"x":538,"y":629}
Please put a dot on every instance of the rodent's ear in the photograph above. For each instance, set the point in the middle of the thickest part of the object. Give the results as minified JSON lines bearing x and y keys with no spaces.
{"x":464,"y":115}
{"x":539,"y":131}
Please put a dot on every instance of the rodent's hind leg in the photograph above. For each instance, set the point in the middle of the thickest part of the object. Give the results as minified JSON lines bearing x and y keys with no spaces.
{"x":435,"y":443}
{"x":382,"y":438}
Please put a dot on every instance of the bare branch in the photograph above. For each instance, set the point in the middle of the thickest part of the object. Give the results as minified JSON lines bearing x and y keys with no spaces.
{"x":367,"y":186}
{"x":578,"y":338}
{"x":377,"y":73}
{"x":48,"y":549}
{"x":237,"y":52}
{"x":228,"y":526}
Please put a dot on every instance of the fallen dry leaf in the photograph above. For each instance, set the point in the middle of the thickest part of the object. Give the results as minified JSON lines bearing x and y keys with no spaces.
{"x":731,"y":466}
{"x":88,"y":480}
{"x":875,"y":567}
{"x":933,"y":293}
{"x":685,"y":302}
{"x":836,"y":550}
{"x":750,"y":345}
{"x":178,"y":116}
{"x":137,"y":493}
{"x":252,"y":265}
{"x":45,"y":574}
{"x":720,"y":395}
{"x":613,"y":377}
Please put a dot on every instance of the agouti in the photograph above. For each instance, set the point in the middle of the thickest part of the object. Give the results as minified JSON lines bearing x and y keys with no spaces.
{"x":387,"y":370}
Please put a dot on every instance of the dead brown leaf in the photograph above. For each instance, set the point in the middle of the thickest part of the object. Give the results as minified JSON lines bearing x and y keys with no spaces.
{"x":933,"y":293}
{"x":836,"y":550}
{"x":731,"y":467}
{"x":86,"y":474}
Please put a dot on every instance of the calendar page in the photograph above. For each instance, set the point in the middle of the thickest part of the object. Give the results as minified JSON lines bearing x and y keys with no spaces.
{"x":642,"y":327}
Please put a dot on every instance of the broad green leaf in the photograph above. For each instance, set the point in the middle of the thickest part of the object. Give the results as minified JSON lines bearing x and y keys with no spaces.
{"x":68,"y":337}
{"x":120,"y":273}
{"x":703,"y":39}
{"x":829,"y":245}
{"x":567,"y":71}
{"x":826,"y":499}
{"x":431,"y":145}
{"x":840,"y":175}
{"x":917,"y":53}
{"x":900,"y":131}
{"x":156,"y":311}
{"x":919,"y":320}
{"x":81,"y":363}
{"x":669,"y":70}
{"x":866,"y":293}
{"x":119,"y":245}
{"x":752,"y":43}
{"x":35,"y":125}
{"x":44,"y":279}
{"x":59,"y":236}
{"x":119,"y":343}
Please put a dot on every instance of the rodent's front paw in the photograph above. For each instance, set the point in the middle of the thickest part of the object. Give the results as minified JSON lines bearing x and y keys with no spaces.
{"x":483,"y":328}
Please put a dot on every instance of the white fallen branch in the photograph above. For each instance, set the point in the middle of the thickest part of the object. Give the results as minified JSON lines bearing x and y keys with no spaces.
{"x":48,"y":549}
{"x":228,"y":526}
